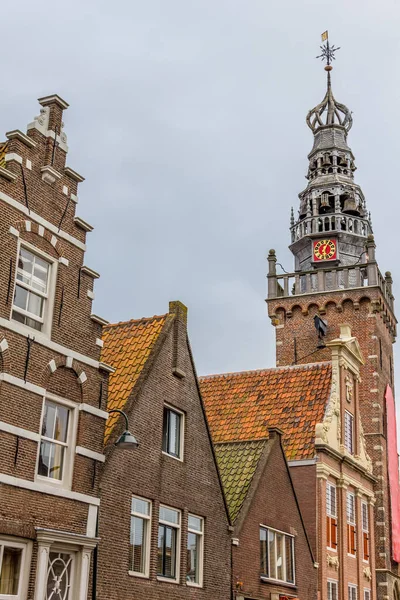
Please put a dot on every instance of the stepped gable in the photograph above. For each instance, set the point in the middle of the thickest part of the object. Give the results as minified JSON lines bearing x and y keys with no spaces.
{"x":127,"y":346}
{"x":242,"y":406}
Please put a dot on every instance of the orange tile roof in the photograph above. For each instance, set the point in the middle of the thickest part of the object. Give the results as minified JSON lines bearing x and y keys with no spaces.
{"x":241,"y":406}
{"x":127,"y":346}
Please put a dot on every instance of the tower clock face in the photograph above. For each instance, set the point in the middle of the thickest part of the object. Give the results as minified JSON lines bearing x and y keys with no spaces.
{"x":324,"y":250}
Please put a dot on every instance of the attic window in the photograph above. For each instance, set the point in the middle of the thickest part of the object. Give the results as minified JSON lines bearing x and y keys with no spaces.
{"x":173,"y":432}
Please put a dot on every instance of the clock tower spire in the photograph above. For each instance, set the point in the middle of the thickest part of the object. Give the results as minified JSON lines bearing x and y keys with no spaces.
{"x":336,"y":281}
{"x":332,"y":223}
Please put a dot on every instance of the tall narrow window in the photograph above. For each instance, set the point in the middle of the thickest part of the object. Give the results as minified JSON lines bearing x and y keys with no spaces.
{"x":352,"y":592}
{"x":351,"y":524}
{"x":365,"y":530}
{"x":331,"y":516}
{"x":11,"y":569}
{"x":195,"y":545}
{"x":140,"y":537}
{"x":332,"y":590}
{"x":349,"y":432}
{"x":173,"y":432}
{"x":31,"y":289}
{"x":168,"y":543}
{"x":277,"y":555}
{"x":54,"y":441}
{"x":367,"y":594}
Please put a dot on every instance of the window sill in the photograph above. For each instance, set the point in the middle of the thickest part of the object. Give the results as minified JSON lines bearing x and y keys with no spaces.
{"x":292,"y":586}
{"x":194,"y":585}
{"x":174,"y":457}
{"x":331,"y":549}
{"x":168,"y":580}
{"x":140,"y":575}
{"x":351,"y":555}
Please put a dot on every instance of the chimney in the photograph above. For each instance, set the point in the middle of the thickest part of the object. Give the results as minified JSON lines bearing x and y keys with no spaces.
{"x":179,"y":311}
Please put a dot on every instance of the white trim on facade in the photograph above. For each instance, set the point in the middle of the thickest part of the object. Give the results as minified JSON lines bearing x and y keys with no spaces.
{"x":43,"y":488}
{"x":45,"y":341}
{"x":38,"y":219}
{"x":19,"y":431}
{"x":90,"y":453}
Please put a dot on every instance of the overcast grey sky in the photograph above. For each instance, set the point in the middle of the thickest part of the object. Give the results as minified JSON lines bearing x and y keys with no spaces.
{"x":187,"y":118}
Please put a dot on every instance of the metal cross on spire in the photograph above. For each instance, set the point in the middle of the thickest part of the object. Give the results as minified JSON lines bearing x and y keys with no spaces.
{"x":328,"y":52}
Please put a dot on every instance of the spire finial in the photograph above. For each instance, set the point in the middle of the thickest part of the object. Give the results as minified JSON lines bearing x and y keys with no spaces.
{"x":291,"y":217}
{"x":328,"y":51}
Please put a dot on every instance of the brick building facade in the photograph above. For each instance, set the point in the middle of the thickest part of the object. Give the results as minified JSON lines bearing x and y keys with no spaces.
{"x":337,"y":280}
{"x":52,"y":383}
{"x":255,"y":474}
{"x":164,"y":526}
{"x":330,"y":469}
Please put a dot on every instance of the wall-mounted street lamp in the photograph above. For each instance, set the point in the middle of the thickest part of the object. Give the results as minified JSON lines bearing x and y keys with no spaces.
{"x":126,"y":440}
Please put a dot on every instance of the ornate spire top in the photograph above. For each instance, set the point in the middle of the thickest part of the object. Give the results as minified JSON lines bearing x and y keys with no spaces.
{"x":329,"y":111}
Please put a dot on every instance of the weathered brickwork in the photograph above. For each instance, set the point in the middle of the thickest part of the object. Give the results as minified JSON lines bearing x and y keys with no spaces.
{"x":61,"y":363}
{"x":190,"y":485}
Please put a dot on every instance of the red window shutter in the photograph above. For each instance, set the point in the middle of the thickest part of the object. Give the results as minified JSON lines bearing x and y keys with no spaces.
{"x":365,"y":544}
{"x":328,"y":532}
{"x":334,"y":532}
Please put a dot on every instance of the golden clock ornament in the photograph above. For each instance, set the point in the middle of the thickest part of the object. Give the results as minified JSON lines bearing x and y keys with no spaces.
{"x":324,"y":250}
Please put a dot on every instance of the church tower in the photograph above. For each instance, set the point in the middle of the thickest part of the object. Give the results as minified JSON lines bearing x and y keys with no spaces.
{"x":336,"y":281}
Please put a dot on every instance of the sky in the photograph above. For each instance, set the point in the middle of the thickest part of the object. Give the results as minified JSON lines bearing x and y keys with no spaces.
{"x":187,"y":118}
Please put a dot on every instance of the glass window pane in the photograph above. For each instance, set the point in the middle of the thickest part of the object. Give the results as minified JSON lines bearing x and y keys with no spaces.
{"x":264,"y":553}
{"x":45,"y":459}
{"x":279,"y":555}
{"x":160,"y":550}
{"x":34,"y":324}
{"x":174,"y":433}
{"x":10,"y":571}
{"x":40,"y":275}
{"x":195,"y":523}
{"x":289,"y":559}
{"x":25,"y":261}
{"x":193,"y":556}
{"x":166,"y":559}
{"x":169,"y":514}
{"x":21,"y":297}
{"x":35,"y":304}
{"x":49,"y":419}
{"x":61,"y":424}
{"x":140,"y":506}
{"x":271,"y":554}
{"x":138,"y":544}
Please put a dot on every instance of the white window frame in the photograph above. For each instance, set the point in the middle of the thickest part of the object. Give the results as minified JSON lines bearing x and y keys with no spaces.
{"x":350,"y":451}
{"x":367,"y":594}
{"x":181,"y":432}
{"x":285,"y":534}
{"x":26,"y":547}
{"x":178,"y":528}
{"x":330,"y":584}
{"x":75,"y":559}
{"x":48,"y":307}
{"x":351,"y":503}
{"x":200,"y":558}
{"x":147,"y":518}
{"x":352,"y":586}
{"x":66,"y":481}
{"x":329,"y":513}
{"x":364,"y":505}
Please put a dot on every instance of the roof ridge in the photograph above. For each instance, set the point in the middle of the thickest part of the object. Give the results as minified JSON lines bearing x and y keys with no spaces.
{"x":131,"y":321}
{"x":267,"y":370}
{"x":251,"y":441}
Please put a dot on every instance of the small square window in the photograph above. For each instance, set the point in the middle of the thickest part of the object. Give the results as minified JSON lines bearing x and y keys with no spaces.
{"x":32,"y":290}
{"x":173,"y":432}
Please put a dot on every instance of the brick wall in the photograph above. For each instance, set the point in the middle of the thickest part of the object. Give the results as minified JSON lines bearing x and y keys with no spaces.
{"x":192,"y":486}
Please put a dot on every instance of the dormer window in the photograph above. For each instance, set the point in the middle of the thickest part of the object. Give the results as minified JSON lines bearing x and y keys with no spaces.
{"x":32,"y":290}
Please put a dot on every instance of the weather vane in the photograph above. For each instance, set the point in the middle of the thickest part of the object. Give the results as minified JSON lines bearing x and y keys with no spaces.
{"x":328,"y":52}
